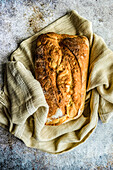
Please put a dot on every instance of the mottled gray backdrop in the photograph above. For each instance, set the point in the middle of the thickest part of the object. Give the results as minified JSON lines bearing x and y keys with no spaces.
{"x":19,"y":20}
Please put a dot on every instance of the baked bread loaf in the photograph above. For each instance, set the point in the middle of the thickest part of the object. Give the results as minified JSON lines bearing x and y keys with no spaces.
{"x":61,"y":65}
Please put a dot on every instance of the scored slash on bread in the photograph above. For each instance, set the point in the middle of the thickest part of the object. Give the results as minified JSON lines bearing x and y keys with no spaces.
{"x":61,"y":65}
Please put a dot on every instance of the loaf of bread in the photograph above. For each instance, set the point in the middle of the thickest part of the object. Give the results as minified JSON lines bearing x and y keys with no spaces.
{"x":61,"y":65}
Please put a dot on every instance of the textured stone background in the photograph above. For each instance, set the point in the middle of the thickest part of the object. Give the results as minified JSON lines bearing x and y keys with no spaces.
{"x":21,"y":19}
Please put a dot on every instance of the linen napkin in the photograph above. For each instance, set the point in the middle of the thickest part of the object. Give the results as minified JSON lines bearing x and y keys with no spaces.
{"x":23,"y":108}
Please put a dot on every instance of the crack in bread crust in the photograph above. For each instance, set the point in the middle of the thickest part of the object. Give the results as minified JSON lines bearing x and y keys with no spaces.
{"x":61,"y":65}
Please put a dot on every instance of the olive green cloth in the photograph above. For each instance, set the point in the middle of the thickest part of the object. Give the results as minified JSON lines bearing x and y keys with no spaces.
{"x":23,"y":108}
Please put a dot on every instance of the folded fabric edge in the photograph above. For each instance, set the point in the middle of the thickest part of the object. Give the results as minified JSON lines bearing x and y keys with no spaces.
{"x":106,"y":117}
{"x":24,"y":78}
{"x":69,"y":148}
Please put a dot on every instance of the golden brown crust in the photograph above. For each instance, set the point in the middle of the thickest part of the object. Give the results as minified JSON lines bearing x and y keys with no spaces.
{"x":61,"y":65}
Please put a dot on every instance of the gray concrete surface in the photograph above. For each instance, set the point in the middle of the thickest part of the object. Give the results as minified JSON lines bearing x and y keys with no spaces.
{"x":21,"y":19}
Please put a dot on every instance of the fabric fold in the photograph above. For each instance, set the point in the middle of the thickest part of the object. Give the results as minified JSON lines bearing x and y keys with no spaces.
{"x":23,"y":108}
{"x":24,"y":92}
